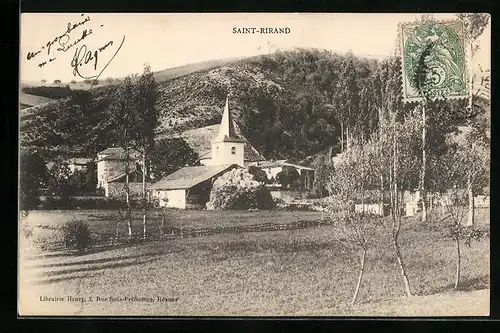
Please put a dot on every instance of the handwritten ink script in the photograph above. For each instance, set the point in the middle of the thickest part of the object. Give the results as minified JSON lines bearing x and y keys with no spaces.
{"x":86,"y":62}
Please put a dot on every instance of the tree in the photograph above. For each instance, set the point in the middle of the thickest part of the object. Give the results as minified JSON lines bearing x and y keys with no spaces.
{"x":168,"y":156}
{"x":60,"y":180}
{"x":33,"y":176}
{"x":323,"y":167}
{"x":288,"y":176}
{"x":258,"y":174}
{"x":237,"y":189}
{"x":122,"y":114}
{"x":135,"y":117}
{"x":57,"y":81}
{"x":397,"y":146}
{"x":146,"y":120}
{"x":347,"y":97}
{"x":474,"y":24}
{"x":403,"y":145}
{"x":456,"y":166}
{"x":352,"y":185}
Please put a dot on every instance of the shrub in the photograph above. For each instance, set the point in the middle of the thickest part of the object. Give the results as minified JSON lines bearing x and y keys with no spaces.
{"x":237,"y":189}
{"x":258,"y":174}
{"x":77,"y":235}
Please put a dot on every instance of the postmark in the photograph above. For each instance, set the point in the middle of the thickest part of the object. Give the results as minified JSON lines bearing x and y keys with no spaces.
{"x":433,"y":60}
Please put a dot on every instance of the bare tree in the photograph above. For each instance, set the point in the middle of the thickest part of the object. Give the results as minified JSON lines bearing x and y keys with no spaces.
{"x":455,"y":168}
{"x":121,"y":113}
{"x":474,"y":24}
{"x":352,"y":186}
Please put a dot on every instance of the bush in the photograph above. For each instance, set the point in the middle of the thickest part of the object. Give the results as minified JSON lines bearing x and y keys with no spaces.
{"x":77,"y":235}
{"x":237,"y":189}
{"x":49,"y":92}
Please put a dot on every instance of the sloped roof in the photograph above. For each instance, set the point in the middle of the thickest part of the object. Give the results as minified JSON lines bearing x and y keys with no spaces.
{"x":188,"y":177}
{"x":281,"y":163}
{"x":117,"y":153}
{"x":112,"y":150}
{"x":200,"y":139}
{"x":79,"y":160}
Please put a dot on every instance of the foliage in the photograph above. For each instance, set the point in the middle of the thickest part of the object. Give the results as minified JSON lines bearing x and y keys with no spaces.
{"x":474,"y":23}
{"x":323,"y":167}
{"x":169,"y":155}
{"x":280,"y":116}
{"x":49,"y":92}
{"x":258,"y":174}
{"x":288,"y":177}
{"x":237,"y":189}
{"x":77,"y":235}
{"x":33,"y":176}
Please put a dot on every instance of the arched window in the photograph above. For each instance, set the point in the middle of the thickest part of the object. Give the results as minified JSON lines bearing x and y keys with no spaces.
{"x":233,"y":150}
{"x":217,"y":149}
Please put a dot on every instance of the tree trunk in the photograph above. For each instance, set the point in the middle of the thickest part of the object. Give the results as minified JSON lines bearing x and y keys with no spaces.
{"x":423,"y":194}
{"x":396,"y":219}
{"x":382,"y":194}
{"x":162,"y":230}
{"x":402,"y":268}
{"x":117,"y":231}
{"x":360,"y":276}
{"x":347,"y":137}
{"x":470,"y":194}
{"x":127,"y":192}
{"x":459,"y":257}
{"x":144,"y":210}
{"x":471,"y":77}
{"x":341,"y":136}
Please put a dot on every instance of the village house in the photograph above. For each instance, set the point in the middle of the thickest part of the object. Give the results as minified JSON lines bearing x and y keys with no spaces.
{"x":111,"y":176}
{"x":272,"y":168}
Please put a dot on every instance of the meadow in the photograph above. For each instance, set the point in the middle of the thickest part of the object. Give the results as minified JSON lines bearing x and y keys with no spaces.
{"x":300,"y":272}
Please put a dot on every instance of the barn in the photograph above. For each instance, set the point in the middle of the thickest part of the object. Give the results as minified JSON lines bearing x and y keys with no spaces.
{"x":189,"y":187}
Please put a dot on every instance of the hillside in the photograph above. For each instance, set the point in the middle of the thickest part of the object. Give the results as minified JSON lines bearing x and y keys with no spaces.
{"x":284,"y":104}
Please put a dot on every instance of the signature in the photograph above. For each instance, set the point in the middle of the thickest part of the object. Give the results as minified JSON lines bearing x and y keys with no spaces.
{"x":63,"y":40}
{"x":85,"y":57}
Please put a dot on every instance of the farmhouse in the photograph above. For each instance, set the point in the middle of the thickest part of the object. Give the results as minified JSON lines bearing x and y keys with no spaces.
{"x":190,"y":187}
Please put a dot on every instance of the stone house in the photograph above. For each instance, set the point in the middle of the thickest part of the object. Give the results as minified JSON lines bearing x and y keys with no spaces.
{"x":111,"y":176}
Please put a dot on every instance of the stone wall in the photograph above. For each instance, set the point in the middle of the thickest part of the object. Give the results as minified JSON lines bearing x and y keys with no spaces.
{"x":118,"y":190}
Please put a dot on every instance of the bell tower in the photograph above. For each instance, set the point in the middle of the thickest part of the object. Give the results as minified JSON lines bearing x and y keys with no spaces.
{"x":228,"y":146}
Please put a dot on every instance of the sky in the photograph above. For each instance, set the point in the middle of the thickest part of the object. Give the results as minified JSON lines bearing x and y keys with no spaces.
{"x":170,"y":40}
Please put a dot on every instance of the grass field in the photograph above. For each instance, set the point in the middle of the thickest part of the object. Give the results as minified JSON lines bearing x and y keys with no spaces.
{"x":288,"y":272}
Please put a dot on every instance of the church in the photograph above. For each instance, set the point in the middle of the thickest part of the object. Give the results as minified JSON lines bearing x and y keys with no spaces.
{"x":189,"y":187}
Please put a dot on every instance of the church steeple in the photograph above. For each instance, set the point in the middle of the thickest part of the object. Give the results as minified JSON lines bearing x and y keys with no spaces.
{"x":227,"y":129}
{"x":228,"y":146}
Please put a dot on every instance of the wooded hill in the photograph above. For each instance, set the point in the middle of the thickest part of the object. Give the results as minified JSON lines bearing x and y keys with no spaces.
{"x":288,"y":105}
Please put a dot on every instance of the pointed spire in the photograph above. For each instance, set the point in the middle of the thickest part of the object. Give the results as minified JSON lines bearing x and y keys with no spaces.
{"x":227,"y":129}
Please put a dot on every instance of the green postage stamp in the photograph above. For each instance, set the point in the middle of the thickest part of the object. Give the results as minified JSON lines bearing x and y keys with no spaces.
{"x":433,"y":60}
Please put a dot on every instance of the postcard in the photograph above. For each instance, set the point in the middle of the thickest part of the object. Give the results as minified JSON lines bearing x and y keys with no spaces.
{"x":254,"y":164}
